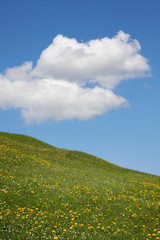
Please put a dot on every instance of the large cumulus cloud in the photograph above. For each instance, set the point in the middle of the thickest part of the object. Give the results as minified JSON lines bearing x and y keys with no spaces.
{"x":105,"y":61}
{"x":56,"y":88}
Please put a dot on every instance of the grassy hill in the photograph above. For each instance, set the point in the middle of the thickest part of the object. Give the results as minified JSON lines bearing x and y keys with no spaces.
{"x":51,"y":193}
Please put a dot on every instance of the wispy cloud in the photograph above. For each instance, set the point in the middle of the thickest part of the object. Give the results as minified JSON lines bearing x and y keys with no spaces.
{"x":56,"y":88}
{"x":147,"y":85}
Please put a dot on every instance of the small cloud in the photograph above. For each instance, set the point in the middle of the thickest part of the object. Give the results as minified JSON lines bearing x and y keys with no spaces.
{"x":57,"y":87}
{"x":147,"y":85}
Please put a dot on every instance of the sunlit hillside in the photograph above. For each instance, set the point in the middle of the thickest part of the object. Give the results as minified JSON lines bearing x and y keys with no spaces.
{"x":51,"y":193}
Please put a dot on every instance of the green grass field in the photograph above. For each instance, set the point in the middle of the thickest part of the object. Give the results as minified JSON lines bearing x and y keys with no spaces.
{"x":51,"y":193}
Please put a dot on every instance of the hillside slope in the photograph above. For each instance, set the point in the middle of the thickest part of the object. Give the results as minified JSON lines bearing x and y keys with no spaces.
{"x":51,"y":193}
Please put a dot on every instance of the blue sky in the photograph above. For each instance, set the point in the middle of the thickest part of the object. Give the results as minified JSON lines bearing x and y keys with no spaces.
{"x":124,"y":130}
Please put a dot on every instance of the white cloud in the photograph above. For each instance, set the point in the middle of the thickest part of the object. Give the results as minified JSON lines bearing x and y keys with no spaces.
{"x":104,"y":61}
{"x":59,"y":100}
{"x":19,"y":73}
{"x":56,"y":88}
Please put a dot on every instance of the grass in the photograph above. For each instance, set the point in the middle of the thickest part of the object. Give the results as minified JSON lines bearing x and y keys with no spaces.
{"x":51,"y":193}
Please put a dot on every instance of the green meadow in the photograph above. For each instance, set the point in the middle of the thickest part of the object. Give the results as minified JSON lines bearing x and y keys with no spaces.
{"x":52,"y":193}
